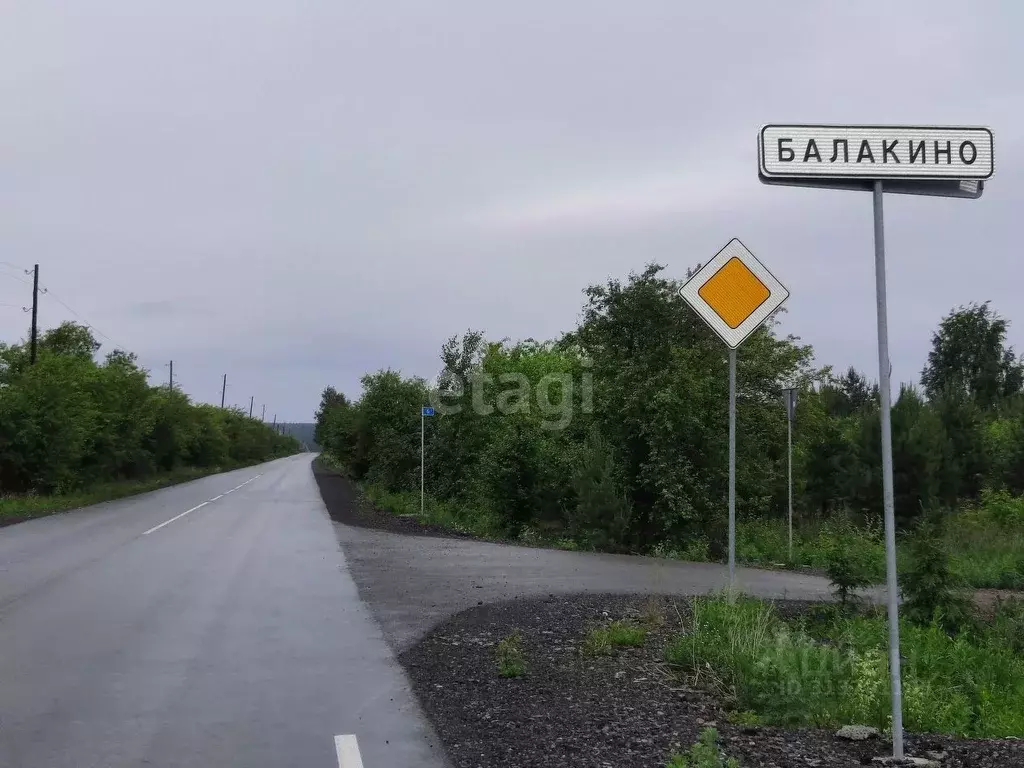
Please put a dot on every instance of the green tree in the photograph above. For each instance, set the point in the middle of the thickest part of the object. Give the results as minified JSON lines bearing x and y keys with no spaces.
{"x":601,"y":515}
{"x":329,"y":400}
{"x":71,"y":340}
{"x":969,"y":353}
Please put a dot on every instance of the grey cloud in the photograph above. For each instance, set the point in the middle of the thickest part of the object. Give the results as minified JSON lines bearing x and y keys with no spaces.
{"x":297,"y":193}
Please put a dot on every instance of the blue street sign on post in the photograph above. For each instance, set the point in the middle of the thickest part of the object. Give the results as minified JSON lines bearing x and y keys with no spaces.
{"x":425,"y":411}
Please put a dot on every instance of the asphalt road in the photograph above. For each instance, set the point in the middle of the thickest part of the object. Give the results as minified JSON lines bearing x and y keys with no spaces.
{"x":412,"y":583}
{"x":131,"y":634}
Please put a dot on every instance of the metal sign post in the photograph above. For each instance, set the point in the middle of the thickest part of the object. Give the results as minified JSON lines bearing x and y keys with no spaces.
{"x":914,"y":160}
{"x":734,"y":294}
{"x":888,"y":503}
{"x":732,"y":472}
{"x":790,"y":398}
{"x":424,"y":412}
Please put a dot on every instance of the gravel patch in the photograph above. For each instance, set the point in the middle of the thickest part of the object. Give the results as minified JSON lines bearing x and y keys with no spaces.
{"x":624,"y":710}
{"x":346,"y":505}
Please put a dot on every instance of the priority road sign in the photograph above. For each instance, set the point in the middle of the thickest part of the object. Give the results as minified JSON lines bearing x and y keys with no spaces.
{"x":734,"y":293}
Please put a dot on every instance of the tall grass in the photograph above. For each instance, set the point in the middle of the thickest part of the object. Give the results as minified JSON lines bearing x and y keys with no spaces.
{"x":766,"y":542}
{"x":985,"y":540}
{"x":835,"y":671}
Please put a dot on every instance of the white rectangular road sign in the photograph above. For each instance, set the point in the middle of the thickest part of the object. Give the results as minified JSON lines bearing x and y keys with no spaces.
{"x":734,"y":293}
{"x":874,"y":152}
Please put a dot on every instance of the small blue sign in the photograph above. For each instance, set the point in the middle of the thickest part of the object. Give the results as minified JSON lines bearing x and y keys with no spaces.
{"x":428,"y":411}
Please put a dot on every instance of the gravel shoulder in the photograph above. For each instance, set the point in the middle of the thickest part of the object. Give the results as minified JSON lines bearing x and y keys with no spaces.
{"x":625,"y":710}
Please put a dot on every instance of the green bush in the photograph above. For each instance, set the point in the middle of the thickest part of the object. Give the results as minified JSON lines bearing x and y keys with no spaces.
{"x":1002,"y":507}
{"x":70,"y":424}
{"x":601,"y":515}
{"x":704,"y":754}
{"x":852,"y":563}
{"x":929,"y":588}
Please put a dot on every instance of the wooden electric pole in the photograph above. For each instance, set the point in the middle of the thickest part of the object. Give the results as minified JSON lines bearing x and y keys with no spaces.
{"x":35,"y":315}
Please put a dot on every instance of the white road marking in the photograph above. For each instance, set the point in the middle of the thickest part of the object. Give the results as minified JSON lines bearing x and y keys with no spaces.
{"x":348,"y":751}
{"x":221,"y":496}
{"x":176,"y":517}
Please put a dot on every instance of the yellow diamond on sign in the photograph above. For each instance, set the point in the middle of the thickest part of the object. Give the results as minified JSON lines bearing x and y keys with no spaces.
{"x":734,"y":292}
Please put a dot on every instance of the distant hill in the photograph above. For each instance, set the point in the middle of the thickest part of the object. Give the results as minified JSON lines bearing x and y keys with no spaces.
{"x":301,"y":431}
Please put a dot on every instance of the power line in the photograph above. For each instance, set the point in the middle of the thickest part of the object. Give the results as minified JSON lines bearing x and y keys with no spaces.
{"x":47,"y":292}
{"x":16,"y":277}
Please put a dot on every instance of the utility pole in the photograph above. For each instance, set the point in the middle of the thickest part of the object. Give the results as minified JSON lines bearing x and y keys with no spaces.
{"x":251,"y":398}
{"x":172,"y":376}
{"x":263,"y":416}
{"x":35,"y":314}
{"x":223,"y":390}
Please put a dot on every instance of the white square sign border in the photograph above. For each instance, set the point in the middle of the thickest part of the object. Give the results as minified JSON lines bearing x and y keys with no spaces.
{"x":777,"y":294}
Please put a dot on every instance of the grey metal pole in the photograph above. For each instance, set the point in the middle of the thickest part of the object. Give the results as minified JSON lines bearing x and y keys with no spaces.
{"x":732,"y":472}
{"x":422,"y":422}
{"x":887,"y":492}
{"x":789,"y":448}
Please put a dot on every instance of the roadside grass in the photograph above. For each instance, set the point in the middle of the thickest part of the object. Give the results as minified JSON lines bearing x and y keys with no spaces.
{"x":456,"y":517}
{"x":511,"y":657}
{"x":442,"y":514}
{"x":986,"y":544}
{"x":704,"y":754}
{"x":831,"y":669}
{"x":603,"y":641}
{"x":16,"y":509}
{"x":766,"y":542}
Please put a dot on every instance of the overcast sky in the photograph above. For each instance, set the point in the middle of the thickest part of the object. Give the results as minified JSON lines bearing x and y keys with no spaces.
{"x":297,"y":192}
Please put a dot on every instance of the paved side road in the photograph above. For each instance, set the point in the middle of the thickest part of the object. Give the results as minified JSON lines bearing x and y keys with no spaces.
{"x":133,"y":634}
{"x":413,"y":583}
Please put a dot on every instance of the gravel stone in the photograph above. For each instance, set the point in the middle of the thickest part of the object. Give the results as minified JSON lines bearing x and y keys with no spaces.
{"x":570,"y":710}
{"x":857,"y":732}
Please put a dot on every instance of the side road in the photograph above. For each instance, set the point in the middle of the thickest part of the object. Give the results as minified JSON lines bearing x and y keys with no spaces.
{"x":412,"y":583}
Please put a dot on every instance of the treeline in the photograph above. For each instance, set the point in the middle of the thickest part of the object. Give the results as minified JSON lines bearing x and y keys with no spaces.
{"x":616,"y":435}
{"x":68,"y":421}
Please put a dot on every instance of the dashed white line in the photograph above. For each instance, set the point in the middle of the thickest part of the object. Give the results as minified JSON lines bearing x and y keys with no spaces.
{"x":348,"y":751}
{"x":200,"y":506}
{"x":176,"y":517}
